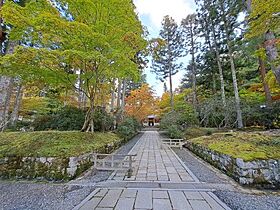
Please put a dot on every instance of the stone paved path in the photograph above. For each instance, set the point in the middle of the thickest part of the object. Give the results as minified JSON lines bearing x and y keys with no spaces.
{"x":160,"y":181}
{"x":155,"y":162}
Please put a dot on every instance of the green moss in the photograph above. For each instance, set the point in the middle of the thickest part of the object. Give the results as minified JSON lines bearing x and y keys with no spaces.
{"x":248,"y":146}
{"x":54,"y":144}
{"x":195,"y":132}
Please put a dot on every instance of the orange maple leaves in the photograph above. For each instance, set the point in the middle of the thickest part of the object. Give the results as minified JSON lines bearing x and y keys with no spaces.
{"x":141,"y":103}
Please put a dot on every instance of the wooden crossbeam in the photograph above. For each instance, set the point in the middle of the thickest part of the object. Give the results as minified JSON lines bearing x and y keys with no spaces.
{"x":173,"y":142}
{"x":114,"y":162}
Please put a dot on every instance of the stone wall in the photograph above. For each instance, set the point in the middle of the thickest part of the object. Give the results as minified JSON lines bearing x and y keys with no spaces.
{"x":258,"y":173}
{"x":50,"y":168}
{"x":44,"y":168}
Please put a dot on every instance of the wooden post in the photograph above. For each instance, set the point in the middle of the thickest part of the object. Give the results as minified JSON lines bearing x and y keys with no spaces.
{"x":129,"y":174}
{"x":112,"y":163}
{"x":95,"y":160}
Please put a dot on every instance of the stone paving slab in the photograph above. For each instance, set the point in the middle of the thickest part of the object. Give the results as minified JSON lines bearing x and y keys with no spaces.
{"x":160,"y":181}
{"x":155,"y":162}
{"x":153,"y":199}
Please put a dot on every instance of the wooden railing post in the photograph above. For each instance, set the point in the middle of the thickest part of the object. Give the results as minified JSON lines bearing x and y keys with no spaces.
{"x":130,"y":170}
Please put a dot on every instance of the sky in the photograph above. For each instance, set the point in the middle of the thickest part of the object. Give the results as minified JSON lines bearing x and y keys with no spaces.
{"x":151,"y":13}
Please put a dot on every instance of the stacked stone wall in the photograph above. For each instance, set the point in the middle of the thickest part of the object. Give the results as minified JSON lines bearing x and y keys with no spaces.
{"x":258,"y":173}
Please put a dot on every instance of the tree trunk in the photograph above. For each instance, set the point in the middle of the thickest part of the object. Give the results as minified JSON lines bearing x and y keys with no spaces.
{"x":272,"y":53}
{"x":17,"y":104}
{"x":2,"y":33}
{"x":214,"y":84}
{"x":265,"y":85}
{"x":7,"y":103}
{"x":193,"y":68}
{"x":112,"y":106}
{"x":171,"y":91}
{"x":119,"y":94}
{"x":123,"y":96}
{"x":218,"y":58}
{"x":194,"y":81}
{"x":80,"y":93}
{"x":89,"y":123}
{"x":233,"y":70}
{"x":235,"y":86}
{"x":262,"y":67}
{"x":4,"y":86}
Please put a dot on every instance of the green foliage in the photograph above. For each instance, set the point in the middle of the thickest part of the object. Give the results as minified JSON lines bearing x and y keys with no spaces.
{"x":65,"y":119}
{"x":264,"y":17}
{"x":39,"y":106}
{"x":99,"y":38}
{"x":167,"y":49}
{"x":71,"y":118}
{"x":212,"y":113}
{"x":248,"y":146}
{"x":102,"y":120}
{"x":256,"y":113}
{"x":174,"y":132}
{"x":183,"y":115}
{"x":54,"y":144}
{"x":128,"y":128}
{"x":175,"y":122}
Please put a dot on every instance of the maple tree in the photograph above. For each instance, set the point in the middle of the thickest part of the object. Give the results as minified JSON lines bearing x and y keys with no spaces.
{"x":90,"y":41}
{"x":141,"y":103}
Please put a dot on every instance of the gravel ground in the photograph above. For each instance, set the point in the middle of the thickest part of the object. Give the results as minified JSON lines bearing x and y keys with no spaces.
{"x":49,"y":196}
{"x":235,"y":199}
{"x":34,"y":196}
{"x":203,"y":173}
{"x":241,"y":201}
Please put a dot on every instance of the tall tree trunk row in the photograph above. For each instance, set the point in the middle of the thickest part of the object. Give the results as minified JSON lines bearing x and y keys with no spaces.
{"x":218,"y":59}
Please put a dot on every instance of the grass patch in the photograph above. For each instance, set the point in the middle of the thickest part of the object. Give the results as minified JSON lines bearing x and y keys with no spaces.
{"x":248,"y":146}
{"x":53,"y":143}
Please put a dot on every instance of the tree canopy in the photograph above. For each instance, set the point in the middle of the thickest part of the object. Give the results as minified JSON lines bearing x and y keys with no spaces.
{"x":59,"y":42}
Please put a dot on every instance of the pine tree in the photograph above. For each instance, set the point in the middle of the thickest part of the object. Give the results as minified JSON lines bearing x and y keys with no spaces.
{"x":167,"y":51}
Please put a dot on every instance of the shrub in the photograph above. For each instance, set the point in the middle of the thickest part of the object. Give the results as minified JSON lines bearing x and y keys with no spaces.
{"x":212,"y":113}
{"x":266,"y":116}
{"x":71,"y":118}
{"x":102,"y":120}
{"x":174,"y":132}
{"x":66,"y":119}
{"x":128,"y":128}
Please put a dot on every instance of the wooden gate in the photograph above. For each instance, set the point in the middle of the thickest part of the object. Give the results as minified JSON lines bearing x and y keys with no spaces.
{"x":114,"y":162}
{"x":178,"y":143}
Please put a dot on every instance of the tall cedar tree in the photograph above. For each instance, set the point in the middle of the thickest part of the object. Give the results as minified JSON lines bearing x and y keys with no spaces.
{"x":190,"y":32}
{"x":209,"y":29}
{"x":167,"y":52}
{"x":229,"y":10}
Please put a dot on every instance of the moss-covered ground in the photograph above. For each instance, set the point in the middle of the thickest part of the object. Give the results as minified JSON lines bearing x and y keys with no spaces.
{"x":194,"y":132}
{"x":54,"y":144}
{"x":245,"y":145}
